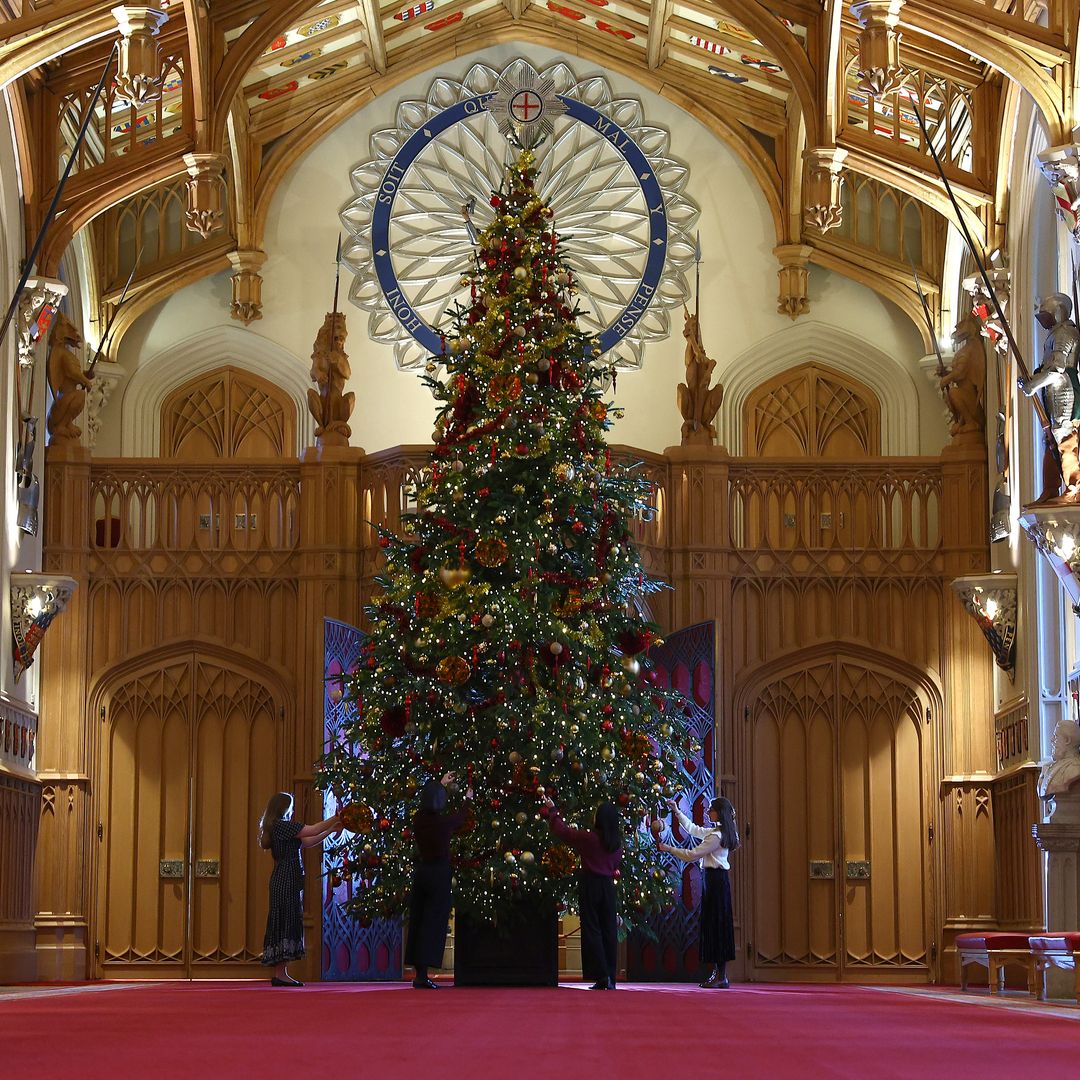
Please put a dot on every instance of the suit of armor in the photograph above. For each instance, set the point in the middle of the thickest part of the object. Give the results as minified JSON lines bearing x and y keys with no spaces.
{"x":1057,"y":377}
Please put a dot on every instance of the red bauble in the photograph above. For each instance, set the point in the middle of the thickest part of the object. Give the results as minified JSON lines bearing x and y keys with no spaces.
{"x":393,"y":721}
{"x":521,"y":448}
{"x":607,"y":725}
{"x":633,"y":641}
{"x":384,"y":824}
{"x":624,"y":799}
{"x":578,"y":527}
{"x":496,"y":201}
{"x":384,"y":541}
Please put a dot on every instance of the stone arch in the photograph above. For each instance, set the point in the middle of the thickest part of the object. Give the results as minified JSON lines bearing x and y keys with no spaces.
{"x":844,"y":353}
{"x":812,"y":411}
{"x":168,"y":370}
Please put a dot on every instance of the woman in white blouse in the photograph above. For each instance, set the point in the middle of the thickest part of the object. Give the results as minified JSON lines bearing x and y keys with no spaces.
{"x":717,"y":924}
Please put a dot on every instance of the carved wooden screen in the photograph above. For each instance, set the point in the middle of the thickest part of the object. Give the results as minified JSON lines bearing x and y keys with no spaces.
{"x":836,"y":771}
{"x":228,"y":413}
{"x":191,"y":750}
{"x":350,"y":952}
{"x":812,"y":411}
{"x":686,"y":661}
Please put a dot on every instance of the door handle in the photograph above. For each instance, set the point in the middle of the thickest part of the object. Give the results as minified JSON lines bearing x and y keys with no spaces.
{"x":858,"y":870}
{"x":822,"y":869}
{"x":208,"y":868}
{"x":171,"y":869}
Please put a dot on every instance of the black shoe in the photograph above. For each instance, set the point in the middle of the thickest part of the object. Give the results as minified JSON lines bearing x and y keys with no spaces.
{"x":721,"y":984}
{"x":275,"y":981}
{"x":711,"y":982}
{"x":424,"y":984}
{"x":611,"y":984}
{"x":602,"y":984}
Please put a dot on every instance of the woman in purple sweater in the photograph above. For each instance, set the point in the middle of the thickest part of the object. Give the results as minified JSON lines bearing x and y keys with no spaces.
{"x":600,"y":849}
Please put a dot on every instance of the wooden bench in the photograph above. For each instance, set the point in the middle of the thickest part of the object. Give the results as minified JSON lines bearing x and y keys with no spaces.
{"x":1056,"y":950}
{"x":995,"y":951}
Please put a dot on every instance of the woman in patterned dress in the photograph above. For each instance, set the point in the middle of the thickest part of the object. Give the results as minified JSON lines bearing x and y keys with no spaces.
{"x":284,"y":940}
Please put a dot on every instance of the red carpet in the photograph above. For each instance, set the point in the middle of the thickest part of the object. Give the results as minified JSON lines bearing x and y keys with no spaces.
{"x":210,"y":1030}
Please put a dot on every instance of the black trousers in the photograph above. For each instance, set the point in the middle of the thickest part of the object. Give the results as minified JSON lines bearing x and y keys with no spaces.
{"x":429,"y":914}
{"x":717,"y":919}
{"x":599,"y":930}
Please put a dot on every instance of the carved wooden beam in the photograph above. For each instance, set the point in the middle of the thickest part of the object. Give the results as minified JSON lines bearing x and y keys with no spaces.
{"x":659,"y":14}
{"x":371,"y":17}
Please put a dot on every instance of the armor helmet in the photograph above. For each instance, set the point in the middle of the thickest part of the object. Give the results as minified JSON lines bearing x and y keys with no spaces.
{"x":1058,"y":306}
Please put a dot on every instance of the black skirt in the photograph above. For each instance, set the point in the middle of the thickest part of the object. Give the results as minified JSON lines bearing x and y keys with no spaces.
{"x":717,"y":921}
{"x":429,"y":914}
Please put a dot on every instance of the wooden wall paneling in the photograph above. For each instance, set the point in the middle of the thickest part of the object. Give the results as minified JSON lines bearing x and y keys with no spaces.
{"x":1019,"y":878}
{"x":20,"y":802}
{"x":64,"y":862}
{"x":969,"y":754}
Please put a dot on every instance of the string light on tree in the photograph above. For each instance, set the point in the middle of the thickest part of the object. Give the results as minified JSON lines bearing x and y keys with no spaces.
{"x":502,"y":649}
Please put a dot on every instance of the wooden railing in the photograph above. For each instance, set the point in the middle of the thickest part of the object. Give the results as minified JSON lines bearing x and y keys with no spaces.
{"x":161,"y":518}
{"x":881,"y":515}
{"x":18,"y":738}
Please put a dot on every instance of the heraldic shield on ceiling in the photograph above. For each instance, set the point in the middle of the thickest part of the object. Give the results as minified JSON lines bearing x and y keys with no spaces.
{"x":618,"y":196}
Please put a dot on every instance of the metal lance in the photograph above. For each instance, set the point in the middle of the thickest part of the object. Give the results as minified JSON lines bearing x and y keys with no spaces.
{"x":697,"y":275}
{"x":1040,"y":411}
{"x":929,"y":319}
{"x":112,"y":318}
{"x":35,"y":251}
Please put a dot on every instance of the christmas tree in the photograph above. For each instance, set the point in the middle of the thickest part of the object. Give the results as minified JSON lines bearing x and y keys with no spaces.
{"x":503,"y":647}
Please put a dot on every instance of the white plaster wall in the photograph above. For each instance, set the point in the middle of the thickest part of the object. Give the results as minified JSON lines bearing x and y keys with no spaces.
{"x":739,"y":286}
{"x":18,"y":551}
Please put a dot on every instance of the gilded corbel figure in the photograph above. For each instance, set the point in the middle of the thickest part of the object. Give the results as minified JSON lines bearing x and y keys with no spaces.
{"x":698,"y":402}
{"x":964,"y":384}
{"x":1056,"y":376}
{"x":330,"y":371}
{"x":68,"y":381}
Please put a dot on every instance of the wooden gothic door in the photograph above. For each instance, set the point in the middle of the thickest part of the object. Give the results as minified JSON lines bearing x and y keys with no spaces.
{"x":838,"y":788}
{"x":190,"y":752}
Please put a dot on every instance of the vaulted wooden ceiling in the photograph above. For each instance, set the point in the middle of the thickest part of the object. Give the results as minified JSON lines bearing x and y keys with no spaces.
{"x":248,"y":87}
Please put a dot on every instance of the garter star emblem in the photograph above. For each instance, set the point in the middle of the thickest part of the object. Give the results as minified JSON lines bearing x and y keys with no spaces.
{"x":525,"y":108}
{"x":617,"y":194}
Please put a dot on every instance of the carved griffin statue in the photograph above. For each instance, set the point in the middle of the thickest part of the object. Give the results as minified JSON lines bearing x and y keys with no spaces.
{"x":698,"y":402}
{"x":330,"y":371}
{"x":68,"y":381}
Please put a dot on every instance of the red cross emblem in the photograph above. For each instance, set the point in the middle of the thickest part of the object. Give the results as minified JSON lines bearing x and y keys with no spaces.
{"x":525,"y":107}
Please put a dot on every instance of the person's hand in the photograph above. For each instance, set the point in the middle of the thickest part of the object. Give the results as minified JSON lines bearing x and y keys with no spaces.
{"x":448,"y":778}
{"x":663,"y":847}
{"x":673,"y":803}
{"x":468,"y":793}
{"x":548,"y":802}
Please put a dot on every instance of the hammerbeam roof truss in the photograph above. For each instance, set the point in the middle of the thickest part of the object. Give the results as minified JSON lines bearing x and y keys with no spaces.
{"x":770,"y":77}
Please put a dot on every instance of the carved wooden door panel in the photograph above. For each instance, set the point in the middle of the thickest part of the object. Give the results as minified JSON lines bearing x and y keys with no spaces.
{"x":838,"y":788}
{"x":191,"y":751}
{"x":144,"y":809}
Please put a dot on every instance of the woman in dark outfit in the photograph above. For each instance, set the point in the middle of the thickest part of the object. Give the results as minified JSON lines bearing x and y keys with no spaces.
{"x":429,"y":904}
{"x":284,"y":939}
{"x":600,"y":849}
{"x":717,"y":922}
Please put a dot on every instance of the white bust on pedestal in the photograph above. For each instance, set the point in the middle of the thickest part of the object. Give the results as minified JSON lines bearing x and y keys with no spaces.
{"x":1059,"y":837}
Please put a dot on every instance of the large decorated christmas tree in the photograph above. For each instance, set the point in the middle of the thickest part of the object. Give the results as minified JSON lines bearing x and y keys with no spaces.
{"x":504,"y":646}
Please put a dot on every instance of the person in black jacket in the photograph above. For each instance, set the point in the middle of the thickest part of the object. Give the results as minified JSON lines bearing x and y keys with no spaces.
{"x":429,"y":904}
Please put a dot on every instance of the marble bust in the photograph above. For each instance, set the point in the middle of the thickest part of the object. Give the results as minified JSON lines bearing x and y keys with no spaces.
{"x":1062,"y":769}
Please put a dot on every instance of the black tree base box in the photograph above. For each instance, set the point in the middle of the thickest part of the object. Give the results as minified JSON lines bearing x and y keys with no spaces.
{"x":523,"y":953}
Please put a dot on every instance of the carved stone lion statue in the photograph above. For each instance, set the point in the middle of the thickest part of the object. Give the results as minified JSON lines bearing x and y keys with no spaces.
{"x":68,"y":381}
{"x":330,"y":371}
{"x":964,"y":383}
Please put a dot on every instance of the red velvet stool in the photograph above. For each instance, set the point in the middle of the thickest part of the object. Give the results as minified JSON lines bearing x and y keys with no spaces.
{"x":994,"y":951}
{"x":1056,"y":950}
